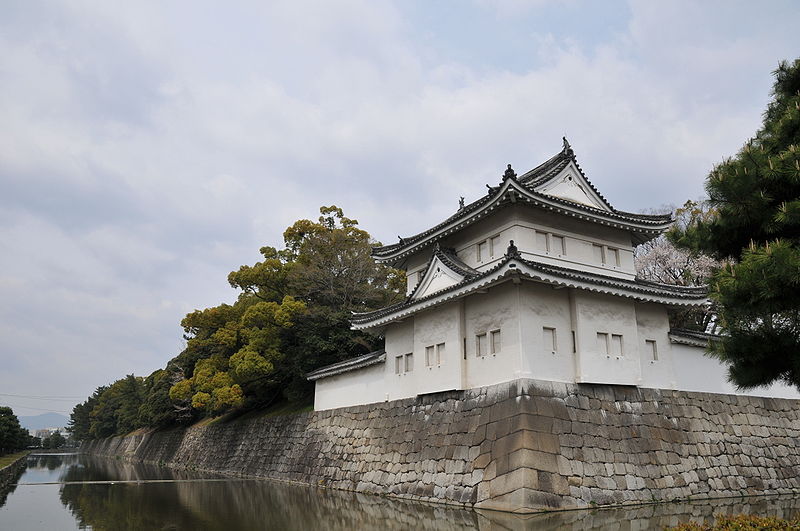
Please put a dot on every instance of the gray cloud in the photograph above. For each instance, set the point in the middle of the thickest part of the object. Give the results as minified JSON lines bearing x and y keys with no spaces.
{"x":148,"y":149}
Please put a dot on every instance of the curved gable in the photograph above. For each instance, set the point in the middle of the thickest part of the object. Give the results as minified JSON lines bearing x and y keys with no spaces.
{"x":570,"y":184}
{"x":437,"y":277}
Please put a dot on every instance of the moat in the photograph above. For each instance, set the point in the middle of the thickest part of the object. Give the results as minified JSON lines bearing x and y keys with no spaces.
{"x":78,"y":491}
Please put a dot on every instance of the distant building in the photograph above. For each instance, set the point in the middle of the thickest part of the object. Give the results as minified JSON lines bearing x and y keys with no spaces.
{"x":47,"y":432}
{"x":536,"y":280}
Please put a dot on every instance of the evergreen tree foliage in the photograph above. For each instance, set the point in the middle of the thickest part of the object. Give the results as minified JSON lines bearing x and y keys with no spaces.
{"x":12,"y":436}
{"x":755,"y":230}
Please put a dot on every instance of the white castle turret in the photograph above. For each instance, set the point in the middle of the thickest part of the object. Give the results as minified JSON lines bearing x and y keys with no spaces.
{"x":535,"y":279}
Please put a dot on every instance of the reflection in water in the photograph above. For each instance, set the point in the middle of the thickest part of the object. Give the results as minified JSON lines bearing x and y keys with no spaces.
{"x":256,"y":504}
{"x":10,"y":486}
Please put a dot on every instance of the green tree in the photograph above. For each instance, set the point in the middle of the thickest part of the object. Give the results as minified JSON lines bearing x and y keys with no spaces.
{"x":57,"y":440}
{"x":117,"y":408}
{"x":12,"y":435}
{"x":80,"y":420}
{"x":328,"y":265}
{"x":755,"y":230}
{"x":232,"y":352}
{"x":157,"y":410}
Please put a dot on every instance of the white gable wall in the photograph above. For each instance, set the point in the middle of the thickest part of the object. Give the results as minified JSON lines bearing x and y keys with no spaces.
{"x":569,"y":184}
{"x":436,"y":278}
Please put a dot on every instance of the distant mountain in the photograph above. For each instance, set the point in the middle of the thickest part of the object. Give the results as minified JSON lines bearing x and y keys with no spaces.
{"x":45,"y":420}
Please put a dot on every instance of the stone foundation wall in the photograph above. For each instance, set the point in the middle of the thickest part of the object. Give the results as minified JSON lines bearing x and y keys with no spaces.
{"x":9,"y":474}
{"x":519,"y":446}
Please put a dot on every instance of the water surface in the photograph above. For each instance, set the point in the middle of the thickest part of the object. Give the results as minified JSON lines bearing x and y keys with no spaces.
{"x":72,"y":491}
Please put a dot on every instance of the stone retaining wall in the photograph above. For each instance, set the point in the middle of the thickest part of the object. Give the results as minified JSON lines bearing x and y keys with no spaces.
{"x":10,"y":473}
{"x":519,"y":446}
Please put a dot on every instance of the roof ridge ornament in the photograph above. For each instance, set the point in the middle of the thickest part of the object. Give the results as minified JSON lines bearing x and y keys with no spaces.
{"x":509,"y":174}
{"x":512,"y":251}
{"x":461,"y":203}
{"x":567,"y":148}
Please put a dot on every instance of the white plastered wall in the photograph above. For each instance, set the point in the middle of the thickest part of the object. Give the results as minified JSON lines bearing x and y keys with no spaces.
{"x":496,"y":309}
{"x":399,"y":341}
{"x":695,"y":371}
{"x":361,"y":386}
{"x":521,"y":223}
{"x":652,"y":323}
{"x":593,"y":313}
{"x":438,"y":326}
{"x":542,"y":306}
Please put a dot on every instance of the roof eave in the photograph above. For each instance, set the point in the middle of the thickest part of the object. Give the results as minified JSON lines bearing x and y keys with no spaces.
{"x":642,"y":231}
{"x":360,"y":362}
{"x":516,"y":267}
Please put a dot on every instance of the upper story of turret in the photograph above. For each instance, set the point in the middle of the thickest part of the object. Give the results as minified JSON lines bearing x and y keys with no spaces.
{"x":553,"y":214}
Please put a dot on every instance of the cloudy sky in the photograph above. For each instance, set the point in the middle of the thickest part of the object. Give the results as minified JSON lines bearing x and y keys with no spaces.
{"x":149,"y":148}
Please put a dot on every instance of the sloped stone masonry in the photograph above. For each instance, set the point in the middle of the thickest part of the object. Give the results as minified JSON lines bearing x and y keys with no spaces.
{"x":520,"y":446}
{"x":10,"y":473}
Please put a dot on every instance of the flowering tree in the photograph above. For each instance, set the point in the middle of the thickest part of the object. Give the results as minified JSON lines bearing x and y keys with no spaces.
{"x":659,"y":260}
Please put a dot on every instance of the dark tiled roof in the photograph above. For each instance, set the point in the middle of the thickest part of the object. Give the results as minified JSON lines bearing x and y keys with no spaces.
{"x":644,"y":287}
{"x":638,"y":285}
{"x":529,"y":182}
{"x":549,"y":169}
{"x":682,"y":335}
{"x":348,"y":365}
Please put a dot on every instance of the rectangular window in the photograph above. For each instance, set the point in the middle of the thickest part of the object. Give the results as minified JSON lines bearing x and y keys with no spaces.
{"x":494,"y":246}
{"x":483,"y":251}
{"x":398,"y":365}
{"x":541,"y":241}
{"x":574,"y":343}
{"x":549,"y":339}
{"x":613,"y":257}
{"x":598,"y":254}
{"x":616,"y":345}
{"x":439,"y":353}
{"x":481,"y":345}
{"x":495,"y":339}
{"x":602,"y":343}
{"x":557,"y":244}
{"x":434,"y":355}
{"x":652,"y":348}
{"x":409,"y":362}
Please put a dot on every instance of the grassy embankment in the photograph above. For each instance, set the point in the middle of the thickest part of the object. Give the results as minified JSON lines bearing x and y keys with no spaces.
{"x":275,"y":410}
{"x":10,"y":458}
